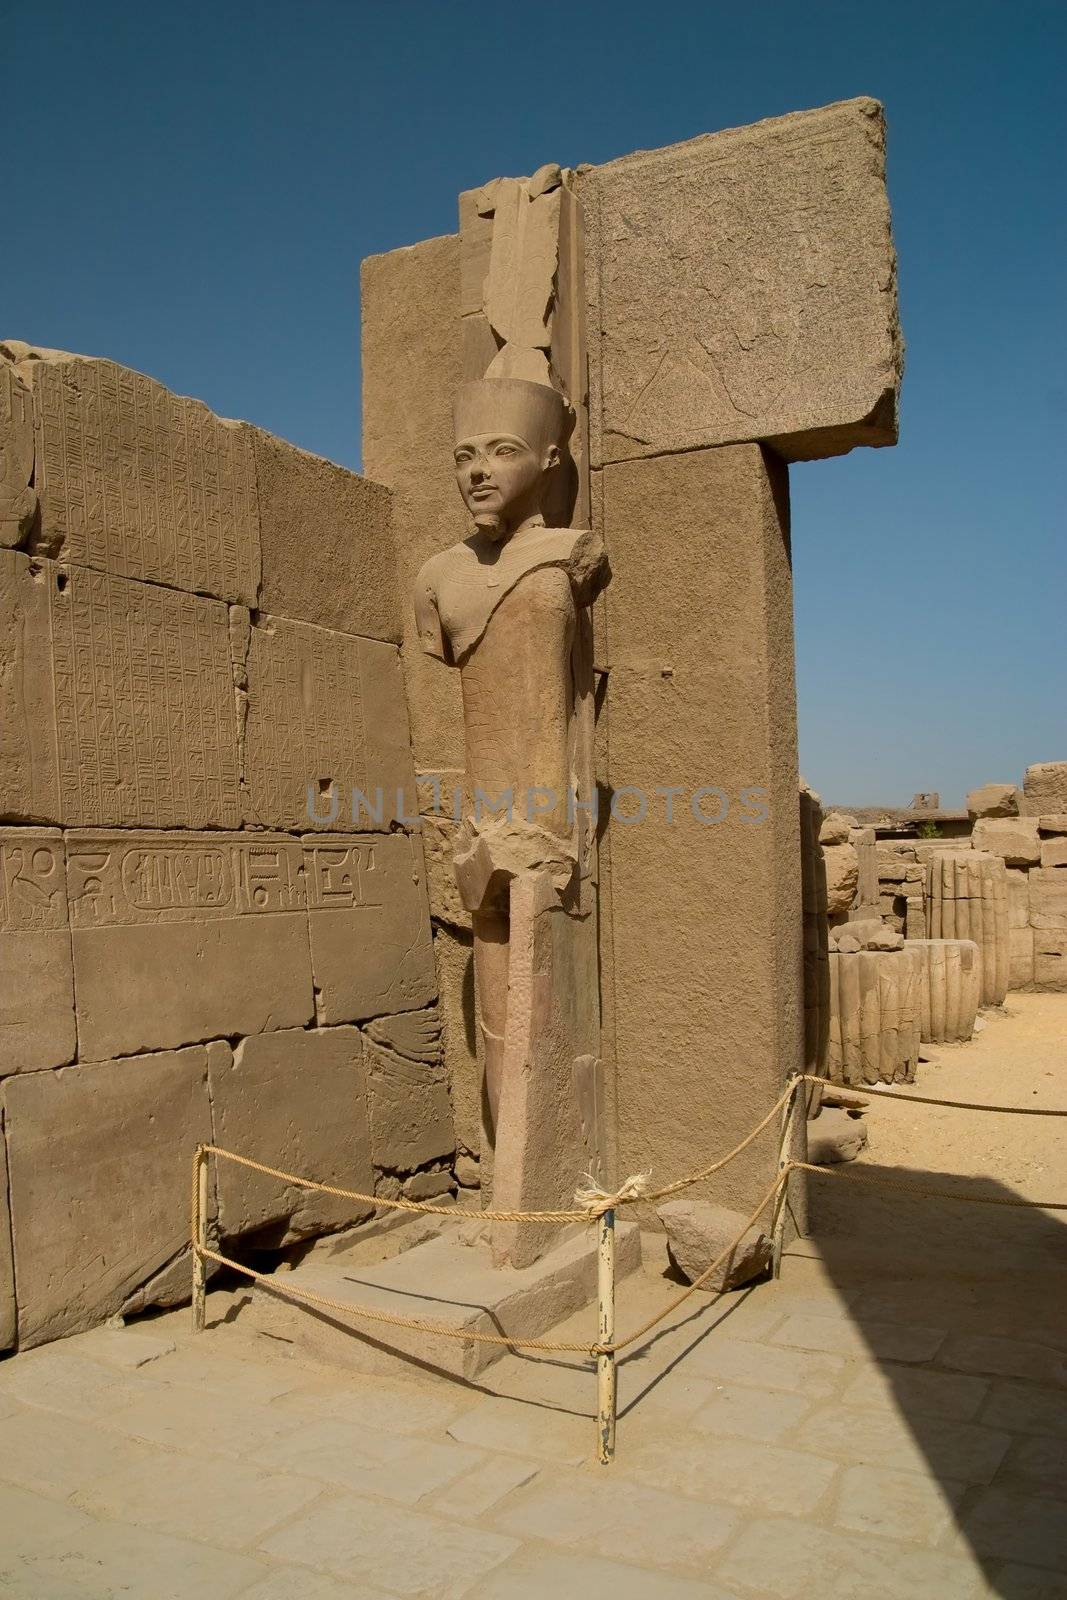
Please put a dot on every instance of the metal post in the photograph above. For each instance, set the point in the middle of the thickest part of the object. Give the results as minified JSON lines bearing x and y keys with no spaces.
{"x":785,"y":1148}
{"x":199,"y":1240}
{"x":606,"y":1379}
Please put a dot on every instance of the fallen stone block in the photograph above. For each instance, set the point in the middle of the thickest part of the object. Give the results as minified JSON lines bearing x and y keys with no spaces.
{"x":1044,"y":789}
{"x":836,"y":828}
{"x":698,"y":1231}
{"x":834,"y":1136}
{"x":994,"y":800}
{"x":842,"y":867}
{"x":1015,"y":839}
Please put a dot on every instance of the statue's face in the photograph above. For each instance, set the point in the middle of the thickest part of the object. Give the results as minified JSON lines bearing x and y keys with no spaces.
{"x":501,"y":479}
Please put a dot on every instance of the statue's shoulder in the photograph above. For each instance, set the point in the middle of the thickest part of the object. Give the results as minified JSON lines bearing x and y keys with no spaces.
{"x":443,"y":564}
{"x":587,"y":563}
{"x":431,"y":577}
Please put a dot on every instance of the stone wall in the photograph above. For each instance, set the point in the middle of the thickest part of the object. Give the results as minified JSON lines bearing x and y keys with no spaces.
{"x":1027,"y":827}
{"x":199,"y":640}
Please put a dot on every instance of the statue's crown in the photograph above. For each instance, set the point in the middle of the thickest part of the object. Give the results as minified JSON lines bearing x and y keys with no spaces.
{"x":530,"y":411}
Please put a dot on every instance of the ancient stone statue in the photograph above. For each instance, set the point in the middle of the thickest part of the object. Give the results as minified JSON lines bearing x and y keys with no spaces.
{"x":505,"y":607}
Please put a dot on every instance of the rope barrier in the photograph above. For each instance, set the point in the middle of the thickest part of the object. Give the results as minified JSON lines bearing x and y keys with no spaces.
{"x":881,"y":1093}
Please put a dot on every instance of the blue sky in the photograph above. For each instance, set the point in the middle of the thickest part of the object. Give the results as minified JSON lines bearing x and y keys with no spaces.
{"x":190,"y":190}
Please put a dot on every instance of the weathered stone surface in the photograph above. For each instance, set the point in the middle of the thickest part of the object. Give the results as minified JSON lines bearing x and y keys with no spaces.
{"x":865,"y":934}
{"x":18,"y":498}
{"x":967,"y":898}
{"x":950,"y":976}
{"x":774,"y":310}
{"x":327,"y":543}
{"x":454,"y":956}
{"x":994,"y":800}
{"x":1050,"y":959}
{"x":1054,"y":824}
{"x":1044,"y":789}
{"x":698,"y":1232}
{"x":326,"y":718}
{"x":371,"y":947}
{"x":734,"y":1023}
{"x":295,"y":1099}
{"x":842,"y":877}
{"x":523,"y":262}
{"x":99,"y":1162}
{"x":836,"y":828}
{"x":37,"y":1027}
{"x":835,"y":1136}
{"x":181,"y":937}
{"x":1018,"y":897}
{"x":1048,"y":898}
{"x":29,"y":785}
{"x":142,"y":483}
{"x":1054,"y":852}
{"x":1022,"y":958}
{"x":439,"y":840}
{"x":7,"y":1265}
{"x":1013,"y":838}
{"x":875,"y":1010}
{"x":407,"y":1089}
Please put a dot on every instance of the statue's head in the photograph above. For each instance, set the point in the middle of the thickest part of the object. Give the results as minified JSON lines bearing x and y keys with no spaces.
{"x":508,"y":435}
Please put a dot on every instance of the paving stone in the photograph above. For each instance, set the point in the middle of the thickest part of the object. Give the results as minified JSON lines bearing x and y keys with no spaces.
{"x":607,"y":1516}
{"x":214,"y":1373}
{"x":485,"y":1487}
{"x":1005,"y":1358}
{"x":1027,"y":1583}
{"x":900,"y":1505}
{"x":755,"y":1477}
{"x":911,"y":1391}
{"x":761,"y":1366}
{"x":526,"y":1429}
{"x":535,"y":1574}
{"x":369,"y":1460}
{"x":285,"y":1584}
{"x":106,"y":1560}
{"x":59,"y":1378}
{"x":407,"y":1551}
{"x":748,"y":1414}
{"x":894,"y":1341}
{"x":226,"y":1503}
{"x":796,"y":1561}
{"x":676,"y":1395}
{"x":378,"y":1403}
{"x":1026,"y":1408}
{"x":1017,"y":1527}
{"x":57,"y":1455}
{"x":124,"y":1348}
{"x":961,"y":1450}
{"x":222,"y":1425}
{"x":1036,"y":1466}
{"x":30,"y":1521}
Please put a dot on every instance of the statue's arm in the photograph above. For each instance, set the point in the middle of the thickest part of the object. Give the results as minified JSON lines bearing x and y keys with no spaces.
{"x":427,"y":616}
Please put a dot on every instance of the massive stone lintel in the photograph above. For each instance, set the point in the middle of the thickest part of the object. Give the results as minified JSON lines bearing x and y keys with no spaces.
{"x":140,"y":482}
{"x":371,"y":949}
{"x":36,"y":977}
{"x":99,"y":1161}
{"x":294,"y":1099}
{"x":182,"y":937}
{"x":745,"y":286}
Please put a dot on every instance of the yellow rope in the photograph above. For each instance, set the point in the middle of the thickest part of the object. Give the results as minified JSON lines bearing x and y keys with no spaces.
{"x":879,"y":1093}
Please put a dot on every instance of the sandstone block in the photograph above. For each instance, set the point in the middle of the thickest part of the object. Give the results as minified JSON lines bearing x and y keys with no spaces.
{"x":181,"y":937}
{"x":1014,"y":838}
{"x":18,"y":498}
{"x":408,"y":1091}
{"x":371,"y":947}
{"x":1054,"y":852}
{"x":295,"y":1099}
{"x":37,"y":1027}
{"x":326,"y":719}
{"x":836,"y":828}
{"x":1053,"y":824}
{"x":438,"y":841}
{"x":1050,"y":959}
{"x":453,"y":954}
{"x":1018,"y":897}
{"x":1044,"y":789}
{"x":1022,"y":958}
{"x":1048,"y":899}
{"x":835,"y":1136}
{"x":994,"y":800}
{"x":8,"y":1317}
{"x":774,"y":312}
{"x":117,"y":701}
{"x":99,"y":1162}
{"x":697,"y":1232}
{"x":327,"y":543}
{"x":842,"y":877}
{"x":142,"y":483}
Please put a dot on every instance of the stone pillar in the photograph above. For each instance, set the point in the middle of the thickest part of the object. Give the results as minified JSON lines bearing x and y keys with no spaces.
{"x":950,"y":972}
{"x":874,"y":1016}
{"x":967,"y":898}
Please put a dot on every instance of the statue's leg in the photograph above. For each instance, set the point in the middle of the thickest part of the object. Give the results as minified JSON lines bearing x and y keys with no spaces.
{"x":491,"y":998}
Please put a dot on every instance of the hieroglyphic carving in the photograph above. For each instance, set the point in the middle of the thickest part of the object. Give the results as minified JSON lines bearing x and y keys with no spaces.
{"x":120,"y":879}
{"x":33,"y":889}
{"x":36,"y":976}
{"x":18,"y":501}
{"x":305,"y":722}
{"x":138,"y":481}
{"x":144,"y":704}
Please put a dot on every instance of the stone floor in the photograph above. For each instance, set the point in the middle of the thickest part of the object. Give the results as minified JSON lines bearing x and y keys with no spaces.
{"x":886,"y":1421}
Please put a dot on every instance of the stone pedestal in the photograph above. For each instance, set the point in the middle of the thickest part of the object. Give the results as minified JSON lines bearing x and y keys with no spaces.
{"x":874,"y":1016}
{"x":967,"y":898}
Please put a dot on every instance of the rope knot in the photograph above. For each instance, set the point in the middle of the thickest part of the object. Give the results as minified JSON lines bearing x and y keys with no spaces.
{"x":594,"y":1200}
